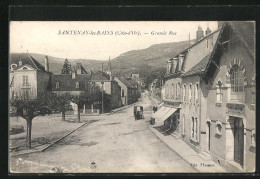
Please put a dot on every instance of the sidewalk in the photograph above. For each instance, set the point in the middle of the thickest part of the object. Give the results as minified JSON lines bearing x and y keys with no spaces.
{"x":188,"y":154}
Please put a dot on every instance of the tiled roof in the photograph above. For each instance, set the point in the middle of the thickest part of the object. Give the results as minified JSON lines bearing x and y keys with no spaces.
{"x":26,"y":59}
{"x":199,"y":67}
{"x":246,"y":30}
{"x":98,"y":76}
{"x":128,"y":82}
{"x":66,"y":83}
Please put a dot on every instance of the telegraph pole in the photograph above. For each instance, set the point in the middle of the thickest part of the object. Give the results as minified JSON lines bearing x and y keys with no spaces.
{"x":102,"y":83}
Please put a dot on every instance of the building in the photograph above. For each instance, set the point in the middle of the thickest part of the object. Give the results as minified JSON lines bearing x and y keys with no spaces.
{"x":155,"y":89}
{"x":229,"y":88}
{"x":210,"y":87}
{"x":77,"y":80}
{"x":129,"y":90}
{"x":28,"y":76}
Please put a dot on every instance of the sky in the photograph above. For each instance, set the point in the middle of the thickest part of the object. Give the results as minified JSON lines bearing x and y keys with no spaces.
{"x":80,"y":39}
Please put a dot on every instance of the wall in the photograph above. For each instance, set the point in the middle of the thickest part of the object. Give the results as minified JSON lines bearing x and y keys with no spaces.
{"x":32,"y":79}
{"x":223,"y":146}
{"x":42,"y":82}
{"x":189,"y":110}
{"x":116,"y":95}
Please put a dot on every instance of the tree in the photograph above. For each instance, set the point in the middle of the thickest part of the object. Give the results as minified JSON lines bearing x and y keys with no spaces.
{"x":60,"y":102}
{"x":66,"y":67}
{"x":28,"y":107}
{"x":90,"y":95}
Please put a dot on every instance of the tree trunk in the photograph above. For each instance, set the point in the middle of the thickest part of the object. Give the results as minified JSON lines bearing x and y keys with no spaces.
{"x":78,"y":114}
{"x":29,"y":134}
{"x":63,"y":115}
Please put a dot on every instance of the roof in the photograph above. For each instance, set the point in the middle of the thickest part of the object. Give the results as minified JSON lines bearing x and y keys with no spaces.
{"x":186,"y":50}
{"x":26,"y":59}
{"x":246,"y":30}
{"x":199,"y":67}
{"x":99,"y":75}
{"x":66,"y":83}
{"x":130,"y":83}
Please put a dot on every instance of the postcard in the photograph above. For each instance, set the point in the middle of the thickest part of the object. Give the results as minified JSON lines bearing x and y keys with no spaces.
{"x":132,"y":97}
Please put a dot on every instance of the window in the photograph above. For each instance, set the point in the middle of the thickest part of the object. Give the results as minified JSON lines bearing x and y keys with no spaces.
{"x":25,"y":80}
{"x":196,"y":93}
{"x":194,"y":127}
{"x":24,"y":68}
{"x":123,"y":93}
{"x":172,"y":91}
{"x":57,"y":85}
{"x":179,"y":89}
{"x":77,"y":84}
{"x":219,"y":92}
{"x":218,"y":128}
{"x":237,"y":79}
{"x":183,"y":124}
{"x":184,"y":93}
{"x":237,"y":84}
{"x":253,"y":138}
{"x":190,"y":88}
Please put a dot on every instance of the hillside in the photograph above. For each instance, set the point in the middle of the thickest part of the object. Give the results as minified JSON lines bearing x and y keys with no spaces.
{"x":145,"y":61}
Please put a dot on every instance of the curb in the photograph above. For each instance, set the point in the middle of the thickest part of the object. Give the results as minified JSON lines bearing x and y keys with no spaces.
{"x":42,"y":150}
{"x":49,"y":145}
{"x":151,"y":129}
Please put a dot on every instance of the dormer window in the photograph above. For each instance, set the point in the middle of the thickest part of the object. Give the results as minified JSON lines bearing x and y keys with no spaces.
{"x":77,"y":84}
{"x":57,"y":85}
{"x":24,"y":68}
{"x":13,"y":66}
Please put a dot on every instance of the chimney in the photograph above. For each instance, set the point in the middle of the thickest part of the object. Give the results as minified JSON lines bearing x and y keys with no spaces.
{"x":73,"y":73}
{"x":46,"y":60}
{"x":208,"y":31}
{"x":20,"y":63}
{"x":199,"y":33}
{"x":78,"y":68}
{"x":181,"y":57}
{"x":174,"y":64}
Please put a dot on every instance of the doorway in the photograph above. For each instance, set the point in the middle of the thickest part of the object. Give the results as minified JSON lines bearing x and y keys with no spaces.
{"x":208,"y":126}
{"x":239,"y":141}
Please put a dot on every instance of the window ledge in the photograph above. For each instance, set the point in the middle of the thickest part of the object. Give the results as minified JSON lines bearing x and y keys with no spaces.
{"x":194,"y":140}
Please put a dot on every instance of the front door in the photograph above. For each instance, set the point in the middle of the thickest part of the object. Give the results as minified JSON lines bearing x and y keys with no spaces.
{"x":239,"y":141}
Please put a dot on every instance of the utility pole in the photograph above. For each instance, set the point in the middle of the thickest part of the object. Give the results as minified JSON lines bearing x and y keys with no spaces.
{"x":102,"y":83}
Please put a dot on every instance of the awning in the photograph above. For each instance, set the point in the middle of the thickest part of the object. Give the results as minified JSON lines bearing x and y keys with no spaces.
{"x":167,"y":113}
{"x":159,"y":112}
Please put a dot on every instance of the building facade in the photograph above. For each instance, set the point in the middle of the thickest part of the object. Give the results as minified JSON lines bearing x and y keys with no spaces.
{"x":214,"y":90}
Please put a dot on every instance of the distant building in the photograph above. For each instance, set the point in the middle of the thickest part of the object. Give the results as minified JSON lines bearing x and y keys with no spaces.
{"x":77,"y":80}
{"x":129,"y":90}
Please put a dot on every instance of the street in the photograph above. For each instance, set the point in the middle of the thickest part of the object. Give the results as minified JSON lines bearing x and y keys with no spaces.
{"x":115,"y":143}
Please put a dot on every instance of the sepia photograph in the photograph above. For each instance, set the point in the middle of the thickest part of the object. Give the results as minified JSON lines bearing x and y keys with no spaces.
{"x":132,"y":97}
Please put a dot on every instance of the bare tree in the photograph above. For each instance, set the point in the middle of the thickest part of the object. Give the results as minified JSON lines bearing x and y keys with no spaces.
{"x":60,"y":102}
{"x":28,"y":106}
